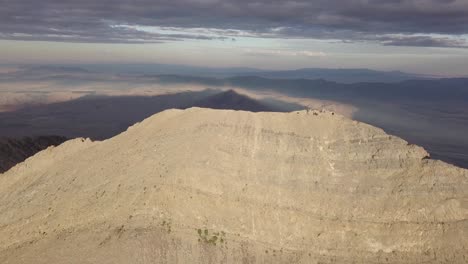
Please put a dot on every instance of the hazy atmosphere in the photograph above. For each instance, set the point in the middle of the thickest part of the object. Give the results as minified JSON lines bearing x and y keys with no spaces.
{"x":419,"y":36}
{"x":220,"y":131}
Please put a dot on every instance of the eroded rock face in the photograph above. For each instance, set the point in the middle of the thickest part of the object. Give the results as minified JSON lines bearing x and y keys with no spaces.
{"x":217,"y":186}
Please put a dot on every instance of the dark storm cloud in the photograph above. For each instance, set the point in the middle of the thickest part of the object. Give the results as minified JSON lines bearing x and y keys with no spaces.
{"x":355,"y":20}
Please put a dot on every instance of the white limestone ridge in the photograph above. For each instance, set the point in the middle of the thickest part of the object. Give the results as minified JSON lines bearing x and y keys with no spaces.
{"x":220,"y":186}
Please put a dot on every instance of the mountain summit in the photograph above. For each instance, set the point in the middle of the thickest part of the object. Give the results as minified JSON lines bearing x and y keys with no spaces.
{"x":223,"y":186}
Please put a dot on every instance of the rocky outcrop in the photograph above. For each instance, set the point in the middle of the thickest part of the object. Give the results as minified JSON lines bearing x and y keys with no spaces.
{"x":212,"y":186}
{"x":14,"y":151}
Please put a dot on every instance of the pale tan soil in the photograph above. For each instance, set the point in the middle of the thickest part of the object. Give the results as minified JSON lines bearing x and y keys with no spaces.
{"x":302,"y":187}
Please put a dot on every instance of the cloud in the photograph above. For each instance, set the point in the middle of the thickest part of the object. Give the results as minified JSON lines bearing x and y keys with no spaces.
{"x":279,"y":52}
{"x":423,"y":41}
{"x":123,"y":21}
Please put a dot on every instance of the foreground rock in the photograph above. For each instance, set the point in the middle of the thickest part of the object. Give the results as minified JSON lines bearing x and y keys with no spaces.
{"x":212,"y":186}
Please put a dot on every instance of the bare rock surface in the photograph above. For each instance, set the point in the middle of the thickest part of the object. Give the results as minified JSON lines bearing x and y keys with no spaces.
{"x":223,"y":186}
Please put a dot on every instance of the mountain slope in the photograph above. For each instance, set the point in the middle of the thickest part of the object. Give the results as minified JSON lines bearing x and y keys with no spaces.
{"x":14,"y":151}
{"x":212,"y":186}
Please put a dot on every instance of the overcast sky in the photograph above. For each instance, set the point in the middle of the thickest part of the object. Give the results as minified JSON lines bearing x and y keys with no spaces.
{"x":422,"y":36}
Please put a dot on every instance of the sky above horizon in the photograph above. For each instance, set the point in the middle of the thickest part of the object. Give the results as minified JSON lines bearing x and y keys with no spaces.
{"x":419,"y":36}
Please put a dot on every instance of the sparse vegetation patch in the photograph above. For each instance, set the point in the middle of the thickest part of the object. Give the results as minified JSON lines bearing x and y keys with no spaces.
{"x":212,"y":238}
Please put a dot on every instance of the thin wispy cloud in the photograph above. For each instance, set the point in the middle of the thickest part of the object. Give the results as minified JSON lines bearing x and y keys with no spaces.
{"x":427,"y":23}
{"x":279,"y":52}
{"x":423,"y":41}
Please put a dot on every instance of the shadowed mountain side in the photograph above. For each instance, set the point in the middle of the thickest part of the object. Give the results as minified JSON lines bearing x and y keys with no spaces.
{"x":104,"y":117}
{"x":14,"y":151}
{"x":232,"y":100}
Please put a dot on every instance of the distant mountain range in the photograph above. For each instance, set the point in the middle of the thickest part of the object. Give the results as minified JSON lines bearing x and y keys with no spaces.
{"x":338,"y":75}
{"x":335,"y":75}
